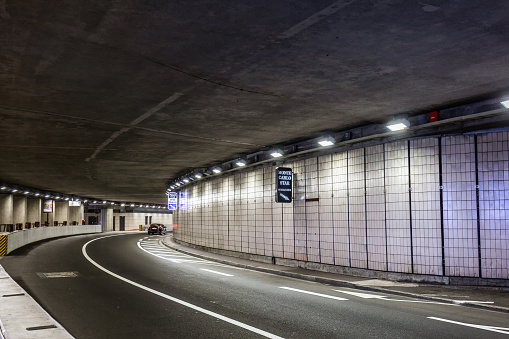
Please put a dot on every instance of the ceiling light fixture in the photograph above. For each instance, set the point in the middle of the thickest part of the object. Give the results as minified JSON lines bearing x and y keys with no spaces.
{"x":216,"y":169}
{"x":240,"y":163}
{"x":276,"y":153}
{"x":326,"y":141}
{"x":198,"y":175}
{"x":398,"y":124}
{"x":505,"y":103}
{"x":186,"y":180}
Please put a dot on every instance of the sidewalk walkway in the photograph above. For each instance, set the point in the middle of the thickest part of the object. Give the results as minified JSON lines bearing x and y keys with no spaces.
{"x":492,"y":298}
{"x":21,"y":317}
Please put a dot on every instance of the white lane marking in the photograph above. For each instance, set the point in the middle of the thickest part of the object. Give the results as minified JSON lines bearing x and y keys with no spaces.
{"x":216,"y":272}
{"x":313,"y":293}
{"x":363,"y":295}
{"x":383,"y":297}
{"x":178,"y":301}
{"x":472,"y":302}
{"x":503,"y":330}
{"x":174,"y":255}
{"x":161,"y":251}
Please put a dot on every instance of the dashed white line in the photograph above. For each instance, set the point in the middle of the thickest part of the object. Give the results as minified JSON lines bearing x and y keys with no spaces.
{"x":503,"y":330}
{"x":472,"y":302}
{"x":382,"y":297}
{"x":362,"y":295}
{"x":313,"y":293}
{"x":216,"y":272}
{"x":181,"y":302}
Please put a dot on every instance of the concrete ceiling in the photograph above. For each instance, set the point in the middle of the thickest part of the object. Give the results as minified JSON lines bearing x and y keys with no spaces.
{"x":110,"y":99}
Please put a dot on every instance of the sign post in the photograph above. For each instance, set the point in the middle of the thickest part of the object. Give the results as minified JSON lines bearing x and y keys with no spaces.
{"x":284,"y":184}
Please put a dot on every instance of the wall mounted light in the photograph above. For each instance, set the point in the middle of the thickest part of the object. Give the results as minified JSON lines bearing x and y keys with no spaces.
{"x":398,"y":124}
{"x":240,"y":162}
{"x":26,"y":192}
{"x":198,"y":175}
{"x":186,"y":180}
{"x":505,"y":103}
{"x":46,"y":196}
{"x":15,"y":190}
{"x":3,"y":188}
{"x":216,"y":169}
{"x":327,"y":141}
{"x":276,"y":153}
{"x":37,"y":194}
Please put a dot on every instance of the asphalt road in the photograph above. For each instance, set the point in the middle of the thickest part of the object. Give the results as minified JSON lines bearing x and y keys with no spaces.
{"x":131,"y":286}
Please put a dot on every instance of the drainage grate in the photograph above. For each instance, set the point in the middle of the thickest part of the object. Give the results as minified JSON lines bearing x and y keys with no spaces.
{"x":58,"y":275}
{"x":45,"y":327}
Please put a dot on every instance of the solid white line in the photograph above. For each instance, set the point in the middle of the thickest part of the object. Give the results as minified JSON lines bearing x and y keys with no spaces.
{"x":178,"y":301}
{"x":216,"y":272}
{"x":313,"y":293}
{"x":481,"y":327}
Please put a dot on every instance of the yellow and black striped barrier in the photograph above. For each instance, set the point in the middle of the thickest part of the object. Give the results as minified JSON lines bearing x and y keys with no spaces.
{"x":3,"y":245}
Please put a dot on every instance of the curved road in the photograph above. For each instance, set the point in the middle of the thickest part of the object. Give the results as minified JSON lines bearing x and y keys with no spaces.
{"x":130,"y":286}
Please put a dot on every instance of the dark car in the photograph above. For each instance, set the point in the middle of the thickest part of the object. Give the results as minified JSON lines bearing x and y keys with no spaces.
{"x":156,"y":229}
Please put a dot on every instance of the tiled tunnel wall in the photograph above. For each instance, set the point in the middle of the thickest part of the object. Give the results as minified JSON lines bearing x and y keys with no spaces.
{"x":435,"y":206}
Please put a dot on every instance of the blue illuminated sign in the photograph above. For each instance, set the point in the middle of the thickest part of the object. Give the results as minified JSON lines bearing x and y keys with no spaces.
{"x":183,"y":204}
{"x":172,"y":201}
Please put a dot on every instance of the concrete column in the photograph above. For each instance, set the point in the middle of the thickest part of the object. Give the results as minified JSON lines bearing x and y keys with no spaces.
{"x":61,"y":212}
{"x":34,"y":207}
{"x":76,"y":213}
{"x":20,"y":209}
{"x":6,"y":209}
{"x":107,"y":219}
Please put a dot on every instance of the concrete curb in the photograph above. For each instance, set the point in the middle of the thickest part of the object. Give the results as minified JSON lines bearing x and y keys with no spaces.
{"x":335,"y":282}
{"x":22,"y":317}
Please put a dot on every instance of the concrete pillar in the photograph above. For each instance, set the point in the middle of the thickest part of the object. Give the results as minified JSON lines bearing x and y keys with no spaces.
{"x":76,"y":213}
{"x":34,"y":207}
{"x":61,"y":211}
{"x":20,"y":209}
{"x":107,"y":219}
{"x":6,"y":209}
